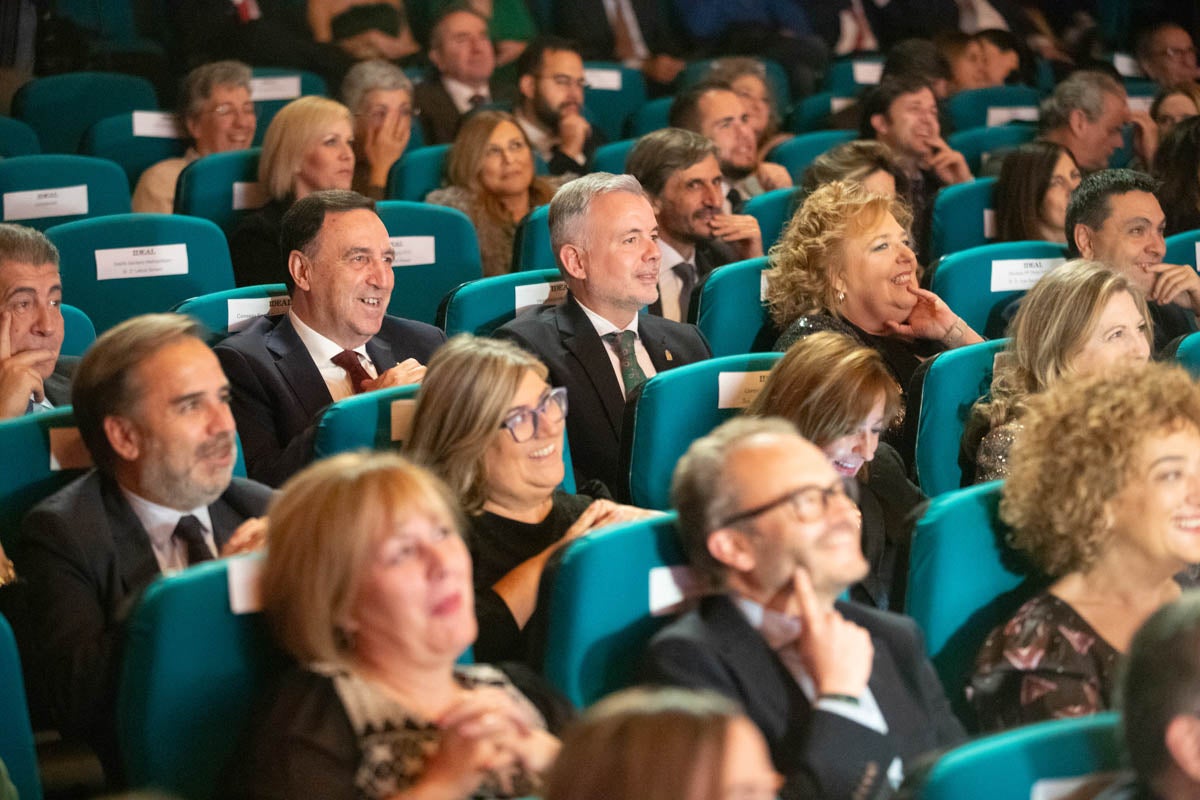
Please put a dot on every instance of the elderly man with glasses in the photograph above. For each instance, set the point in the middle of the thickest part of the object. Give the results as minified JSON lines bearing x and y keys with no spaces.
{"x":1167,"y":54}
{"x":843,"y":693}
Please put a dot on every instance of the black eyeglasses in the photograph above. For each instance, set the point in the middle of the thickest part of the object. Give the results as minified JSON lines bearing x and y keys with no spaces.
{"x":522,"y":425}
{"x":809,"y":502}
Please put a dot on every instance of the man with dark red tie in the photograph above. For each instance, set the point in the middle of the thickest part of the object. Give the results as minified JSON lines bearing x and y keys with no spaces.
{"x":336,"y":340}
{"x":152,"y":406}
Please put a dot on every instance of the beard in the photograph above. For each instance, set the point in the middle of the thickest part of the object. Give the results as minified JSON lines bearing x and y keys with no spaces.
{"x":734,"y":173}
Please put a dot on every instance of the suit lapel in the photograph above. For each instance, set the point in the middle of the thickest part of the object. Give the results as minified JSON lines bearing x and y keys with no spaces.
{"x":650,"y":331}
{"x":297,"y":368}
{"x":579,"y":337}
{"x":380,"y":353}
{"x":136,"y":563}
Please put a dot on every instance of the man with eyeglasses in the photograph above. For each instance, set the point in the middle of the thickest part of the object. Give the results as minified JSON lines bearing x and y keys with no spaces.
{"x":216,"y":114}
{"x":549,"y":108}
{"x":1167,"y":54}
{"x":335,"y":341}
{"x":843,"y":693}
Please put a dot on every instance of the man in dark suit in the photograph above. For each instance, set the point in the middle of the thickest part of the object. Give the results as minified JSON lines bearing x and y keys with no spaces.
{"x":462,"y":80}
{"x":597,"y":343}
{"x":634,"y":32}
{"x":33,"y":376}
{"x":336,"y":341}
{"x":679,"y":171}
{"x":152,"y":406}
{"x":549,"y":109}
{"x":843,"y":693}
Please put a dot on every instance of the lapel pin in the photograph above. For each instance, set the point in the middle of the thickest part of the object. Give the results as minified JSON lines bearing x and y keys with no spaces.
{"x":669,"y":356}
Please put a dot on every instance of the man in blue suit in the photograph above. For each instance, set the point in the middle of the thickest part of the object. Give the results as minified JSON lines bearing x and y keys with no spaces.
{"x":336,"y":340}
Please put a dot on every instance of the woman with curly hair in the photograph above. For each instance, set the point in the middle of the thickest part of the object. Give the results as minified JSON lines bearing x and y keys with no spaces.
{"x":1103,"y":498}
{"x":1079,"y":318}
{"x":491,"y":174}
{"x":845,"y":263}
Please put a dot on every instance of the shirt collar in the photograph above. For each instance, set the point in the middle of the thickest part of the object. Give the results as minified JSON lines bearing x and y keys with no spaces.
{"x":778,"y":629}
{"x":461,"y":93}
{"x":321,"y":349}
{"x":159,"y":521}
{"x":602,"y":325}
{"x":670,"y":257}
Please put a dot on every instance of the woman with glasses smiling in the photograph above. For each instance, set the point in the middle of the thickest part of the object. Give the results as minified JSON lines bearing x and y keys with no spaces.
{"x":487,"y":423}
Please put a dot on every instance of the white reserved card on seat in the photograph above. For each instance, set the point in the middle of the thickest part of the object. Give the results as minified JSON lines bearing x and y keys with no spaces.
{"x":1066,"y":788}
{"x":244,"y":310}
{"x":285,"y":87}
{"x":608,"y":80}
{"x":738,"y":389}
{"x":151,"y":261}
{"x":59,"y":201}
{"x":402,"y":417}
{"x":670,"y":588}
{"x":999,"y":115}
{"x":244,"y":574}
{"x":156,"y":124}
{"x":989,"y":223}
{"x":412,"y":251}
{"x":867,"y":72}
{"x":1020,"y":274}
{"x":539,"y":294}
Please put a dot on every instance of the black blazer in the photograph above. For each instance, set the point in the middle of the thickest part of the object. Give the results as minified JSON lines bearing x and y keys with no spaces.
{"x":586,"y":22}
{"x":58,"y":386}
{"x":439,"y":116}
{"x":820,"y":753}
{"x":87,"y":559}
{"x":565,"y":340}
{"x":278,"y":392}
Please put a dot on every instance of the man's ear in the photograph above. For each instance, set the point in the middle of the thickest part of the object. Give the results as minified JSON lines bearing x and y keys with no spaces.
{"x":574,"y":261}
{"x":879,"y":123}
{"x":123,"y":437}
{"x":1084,"y":240}
{"x":1182,"y":739}
{"x":526,"y":86}
{"x":1077,"y":121}
{"x":732,"y":548}
{"x":299,"y":266}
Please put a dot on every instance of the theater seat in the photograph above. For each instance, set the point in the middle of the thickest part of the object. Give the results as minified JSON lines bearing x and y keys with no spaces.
{"x":481,"y":306}
{"x":962,"y":217}
{"x":771,"y":210}
{"x":27,"y":479}
{"x":728,"y":306}
{"x":78,"y":331}
{"x":1182,"y":247}
{"x":17,"y":750}
{"x":531,"y":245}
{"x":60,"y":108}
{"x":45,"y":190}
{"x":221,"y":188}
{"x":228,"y":311}
{"x":797,"y":153}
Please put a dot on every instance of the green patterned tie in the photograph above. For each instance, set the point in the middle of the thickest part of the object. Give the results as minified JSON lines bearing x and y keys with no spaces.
{"x":631,"y":371}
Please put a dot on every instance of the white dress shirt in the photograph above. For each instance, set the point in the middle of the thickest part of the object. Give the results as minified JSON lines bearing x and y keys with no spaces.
{"x":159,"y":522}
{"x":669,"y":282}
{"x":635,"y":29}
{"x":461,"y":93}
{"x":322,"y":351}
{"x":604,"y":327}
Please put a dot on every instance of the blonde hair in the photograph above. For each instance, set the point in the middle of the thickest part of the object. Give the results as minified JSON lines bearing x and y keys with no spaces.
{"x":324,"y":527}
{"x":465,"y":162}
{"x":294,"y":130}
{"x":649,"y":744}
{"x":466,"y":392}
{"x":1076,"y":453}
{"x":809,"y":255}
{"x":1049,"y":329}
{"x":826,"y":385}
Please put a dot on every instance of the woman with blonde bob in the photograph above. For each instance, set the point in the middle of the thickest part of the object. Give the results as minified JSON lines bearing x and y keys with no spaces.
{"x":488,"y":424}
{"x":492,"y":180}
{"x":367,"y":584}
{"x":841,"y":397}
{"x":308,"y":147}
{"x":1080,"y":318}
{"x":1103,"y":498}
{"x":663,"y":744}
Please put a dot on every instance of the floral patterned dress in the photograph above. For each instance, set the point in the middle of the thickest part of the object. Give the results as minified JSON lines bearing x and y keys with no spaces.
{"x":1045,"y":663}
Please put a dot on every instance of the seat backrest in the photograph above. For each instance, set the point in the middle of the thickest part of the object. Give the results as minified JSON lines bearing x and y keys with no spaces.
{"x":1012,"y":763}
{"x":1182,"y":248}
{"x":17,"y":139}
{"x":481,"y":306}
{"x":192,"y":671}
{"x":771,"y":210}
{"x":980,"y":281}
{"x":954,"y":381}
{"x":136,"y":140}
{"x":17,"y":750}
{"x":28,"y":474}
{"x":614,"y":93}
{"x":90,"y":96}
{"x":117,"y":267}
{"x":221,"y":187}
{"x":797,"y":153}
{"x":417,"y":172}
{"x":813,"y":112}
{"x":436,"y":250}
{"x":47,"y":190}
{"x":223,"y":313}
{"x":730,"y":311}
{"x":1188,"y":353}
{"x":78,"y":331}
{"x":272,"y":88}
{"x":652,"y":116}
{"x":850,"y":74}
{"x":964,"y":580}
{"x":611,"y":157}
{"x":600,"y":614}
{"x":992,"y":106}
{"x":531,"y":245}
{"x":676,"y":407}
{"x":963,"y":217}
{"x":976,"y":144}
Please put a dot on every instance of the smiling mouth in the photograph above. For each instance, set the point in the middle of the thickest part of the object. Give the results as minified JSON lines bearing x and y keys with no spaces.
{"x":849,"y":468}
{"x":901,"y":279}
{"x":371,"y":302}
{"x":544,"y":451}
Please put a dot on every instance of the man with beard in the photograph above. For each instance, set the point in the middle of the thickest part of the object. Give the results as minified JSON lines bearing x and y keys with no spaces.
{"x":550,"y":105}
{"x":712,"y":109}
{"x":680,"y":172}
{"x":152,"y":406}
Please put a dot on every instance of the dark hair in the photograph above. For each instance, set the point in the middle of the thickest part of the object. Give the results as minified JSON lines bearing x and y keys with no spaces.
{"x":1176,"y":165}
{"x":660,"y":154}
{"x":916,"y":58}
{"x":1090,"y":202}
{"x":534,"y":55}
{"x":1009,"y":42}
{"x":101,"y":386}
{"x":1024,"y":179}
{"x":1160,"y":680}
{"x":878,"y":100}
{"x":303,"y":221}
{"x":685,"y":111}
{"x":1144,"y":39}
{"x":25,"y":245}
